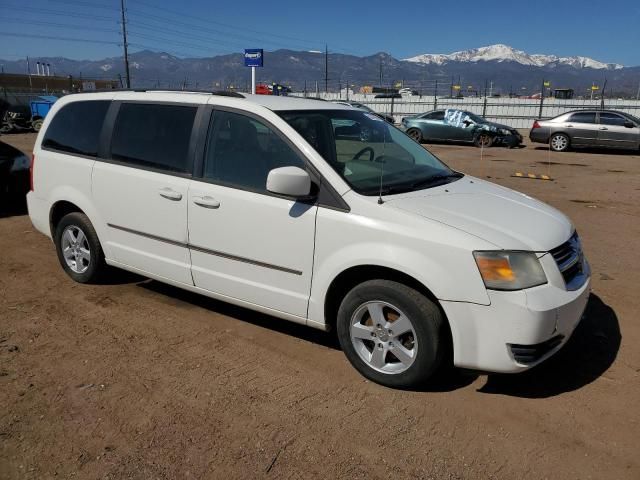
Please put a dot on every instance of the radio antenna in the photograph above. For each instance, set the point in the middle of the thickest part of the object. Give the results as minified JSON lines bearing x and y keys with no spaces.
{"x":384,"y":146}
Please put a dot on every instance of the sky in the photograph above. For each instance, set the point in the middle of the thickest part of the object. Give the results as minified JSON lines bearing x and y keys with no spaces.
{"x":89,"y":29}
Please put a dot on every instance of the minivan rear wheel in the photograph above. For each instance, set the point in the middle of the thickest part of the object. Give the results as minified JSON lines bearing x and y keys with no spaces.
{"x":391,"y":333}
{"x":559,"y":142}
{"x":78,"y":248}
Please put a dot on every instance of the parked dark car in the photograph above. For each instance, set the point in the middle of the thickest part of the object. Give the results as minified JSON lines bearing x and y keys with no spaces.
{"x":360,"y":106}
{"x":388,"y":95}
{"x":588,"y":128}
{"x":460,"y":126}
{"x":14,"y":174}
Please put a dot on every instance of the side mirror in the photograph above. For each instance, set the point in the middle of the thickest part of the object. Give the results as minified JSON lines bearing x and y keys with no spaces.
{"x":629,"y":124}
{"x":289,"y":181}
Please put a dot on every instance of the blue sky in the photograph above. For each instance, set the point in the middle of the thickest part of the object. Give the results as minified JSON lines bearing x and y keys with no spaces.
{"x":607,"y":31}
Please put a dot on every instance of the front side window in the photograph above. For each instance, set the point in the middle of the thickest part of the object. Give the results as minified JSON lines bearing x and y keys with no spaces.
{"x":76,"y":128}
{"x":583,"y":117}
{"x":369,"y":154}
{"x":241,"y":151}
{"x":612,"y":119}
{"x":154,"y":136}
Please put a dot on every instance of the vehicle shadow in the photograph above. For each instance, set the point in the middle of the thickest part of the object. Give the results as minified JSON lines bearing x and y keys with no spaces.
{"x":596,"y":150}
{"x":589,"y":353}
{"x":13,"y":206}
{"x":447,"y":380}
{"x":326,"y":339}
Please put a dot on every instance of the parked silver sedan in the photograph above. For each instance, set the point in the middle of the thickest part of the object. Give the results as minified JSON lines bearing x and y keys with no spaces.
{"x":588,"y":128}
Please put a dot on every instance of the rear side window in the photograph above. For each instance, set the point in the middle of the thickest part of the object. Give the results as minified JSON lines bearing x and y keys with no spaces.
{"x":76,"y":128}
{"x":434,"y":116}
{"x":583,"y":117}
{"x":612,"y":119}
{"x":154,"y":136}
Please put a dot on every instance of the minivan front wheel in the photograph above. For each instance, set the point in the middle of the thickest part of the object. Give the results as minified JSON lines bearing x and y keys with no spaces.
{"x":390,"y":333}
{"x":559,"y":142}
{"x":78,"y":248}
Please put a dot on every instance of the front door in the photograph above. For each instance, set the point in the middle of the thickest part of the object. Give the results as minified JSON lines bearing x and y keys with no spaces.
{"x":612,"y":131}
{"x":246,"y":243}
{"x":141,"y":193}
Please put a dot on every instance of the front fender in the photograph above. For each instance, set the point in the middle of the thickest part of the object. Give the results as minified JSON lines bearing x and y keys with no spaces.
{"x":445,"y":268}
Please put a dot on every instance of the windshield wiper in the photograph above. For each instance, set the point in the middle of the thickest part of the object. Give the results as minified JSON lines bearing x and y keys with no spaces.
{"x":436,"y":179}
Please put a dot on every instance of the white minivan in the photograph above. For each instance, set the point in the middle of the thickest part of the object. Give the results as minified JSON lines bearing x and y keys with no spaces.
{"x":313,"y":212}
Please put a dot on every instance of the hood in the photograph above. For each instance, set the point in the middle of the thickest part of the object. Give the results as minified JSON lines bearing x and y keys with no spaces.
{"x":498,"y":125}
{"x":508,"y":219}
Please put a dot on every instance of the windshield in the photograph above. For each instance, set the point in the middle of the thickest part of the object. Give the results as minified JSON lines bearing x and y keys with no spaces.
{"x":475,"y":117}
{"x":370,"y":154}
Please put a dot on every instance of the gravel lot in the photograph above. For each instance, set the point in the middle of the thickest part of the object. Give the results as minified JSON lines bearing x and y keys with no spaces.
{"x":140,"y":380}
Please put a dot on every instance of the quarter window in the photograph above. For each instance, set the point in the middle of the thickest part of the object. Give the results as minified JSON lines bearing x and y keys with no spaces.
{"x":154,"y":136}
{"x":241,"y":151}
{"x":583,"y":117}
{"x":76,"y":128}
{"x":611,"y":119}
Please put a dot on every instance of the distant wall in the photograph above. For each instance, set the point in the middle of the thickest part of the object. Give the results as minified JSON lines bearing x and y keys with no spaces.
{"x":515,"y":112}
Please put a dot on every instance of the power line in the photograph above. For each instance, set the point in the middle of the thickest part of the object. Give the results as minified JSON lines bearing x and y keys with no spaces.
{"x":60,"y":25}
{"x":160,"y":39}
{"x":52,"y":37}
{"x":62,"y":14}
{"x":146,"y":26}
{"x":173,"y":22}
{"x":226,"y":25}
{"x":87,"y":4}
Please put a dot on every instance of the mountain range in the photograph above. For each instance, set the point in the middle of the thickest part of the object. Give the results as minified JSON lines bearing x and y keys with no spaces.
{"x":505,"y":68}
{"x":505,"y":53}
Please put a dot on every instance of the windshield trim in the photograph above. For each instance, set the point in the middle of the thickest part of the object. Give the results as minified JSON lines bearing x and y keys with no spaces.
{"x":452,"y":175}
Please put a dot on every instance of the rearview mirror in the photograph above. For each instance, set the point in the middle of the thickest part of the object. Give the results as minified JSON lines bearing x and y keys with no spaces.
{"x":628,"y":124}
{"x":289,"y":181}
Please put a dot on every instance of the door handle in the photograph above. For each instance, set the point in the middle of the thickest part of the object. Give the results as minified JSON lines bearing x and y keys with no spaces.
{"x":569,"y":126}
{"x":170,"y":194}
{"x":603,"y":128}
{"x":206,"y":202}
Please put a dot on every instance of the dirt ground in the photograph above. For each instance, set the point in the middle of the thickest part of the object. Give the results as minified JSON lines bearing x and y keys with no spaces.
{"x":140,"y":380}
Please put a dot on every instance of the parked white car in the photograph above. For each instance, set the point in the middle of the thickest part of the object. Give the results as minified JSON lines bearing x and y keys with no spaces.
{"x":313,"y":212}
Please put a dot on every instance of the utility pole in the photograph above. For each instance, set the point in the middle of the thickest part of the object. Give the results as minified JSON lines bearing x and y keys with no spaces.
{"x":124,"y":44}
{"x":638,"y":94}
{"x":326,"y":68}
{"x":381,"y":77}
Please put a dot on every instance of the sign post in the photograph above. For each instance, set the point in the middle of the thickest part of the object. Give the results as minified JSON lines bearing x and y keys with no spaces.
{"x":253,"y":57}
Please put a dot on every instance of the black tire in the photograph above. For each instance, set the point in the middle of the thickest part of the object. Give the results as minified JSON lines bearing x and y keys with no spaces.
{"x":425,"y":318}
{"x":483,"y":140}
{"x":415,"y":134}
{"x":37,"y":125}
{"x":559,"y":142}
{"x":96,"y":265}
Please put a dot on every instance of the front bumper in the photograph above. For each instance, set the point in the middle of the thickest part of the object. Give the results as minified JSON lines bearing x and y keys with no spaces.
{"x":518,"y":330}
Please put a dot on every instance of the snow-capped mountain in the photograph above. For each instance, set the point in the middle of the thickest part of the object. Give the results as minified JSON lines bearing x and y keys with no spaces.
{"x":505,"y":53}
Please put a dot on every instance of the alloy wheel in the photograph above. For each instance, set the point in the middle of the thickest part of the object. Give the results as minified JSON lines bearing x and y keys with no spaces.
{"x":75,"y":249}
{"x":383,"y":337}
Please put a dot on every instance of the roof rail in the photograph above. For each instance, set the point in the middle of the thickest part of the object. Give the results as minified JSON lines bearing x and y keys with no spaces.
{"x":221,"y":93}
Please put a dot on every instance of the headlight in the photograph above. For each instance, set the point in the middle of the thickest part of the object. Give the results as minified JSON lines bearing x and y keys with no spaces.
{"x":505,"y":270}
{"x":504,"y":131}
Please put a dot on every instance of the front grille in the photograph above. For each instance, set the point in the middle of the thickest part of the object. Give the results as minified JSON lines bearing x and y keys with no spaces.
{"x":527,"y":354}
{"x":569,"y":258}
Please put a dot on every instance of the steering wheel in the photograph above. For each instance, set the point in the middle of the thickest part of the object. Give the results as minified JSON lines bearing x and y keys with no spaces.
{"x":372,"y":154}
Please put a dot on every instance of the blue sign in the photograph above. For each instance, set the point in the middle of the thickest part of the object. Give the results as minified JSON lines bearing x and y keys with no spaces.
{"x":253,"y":57}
